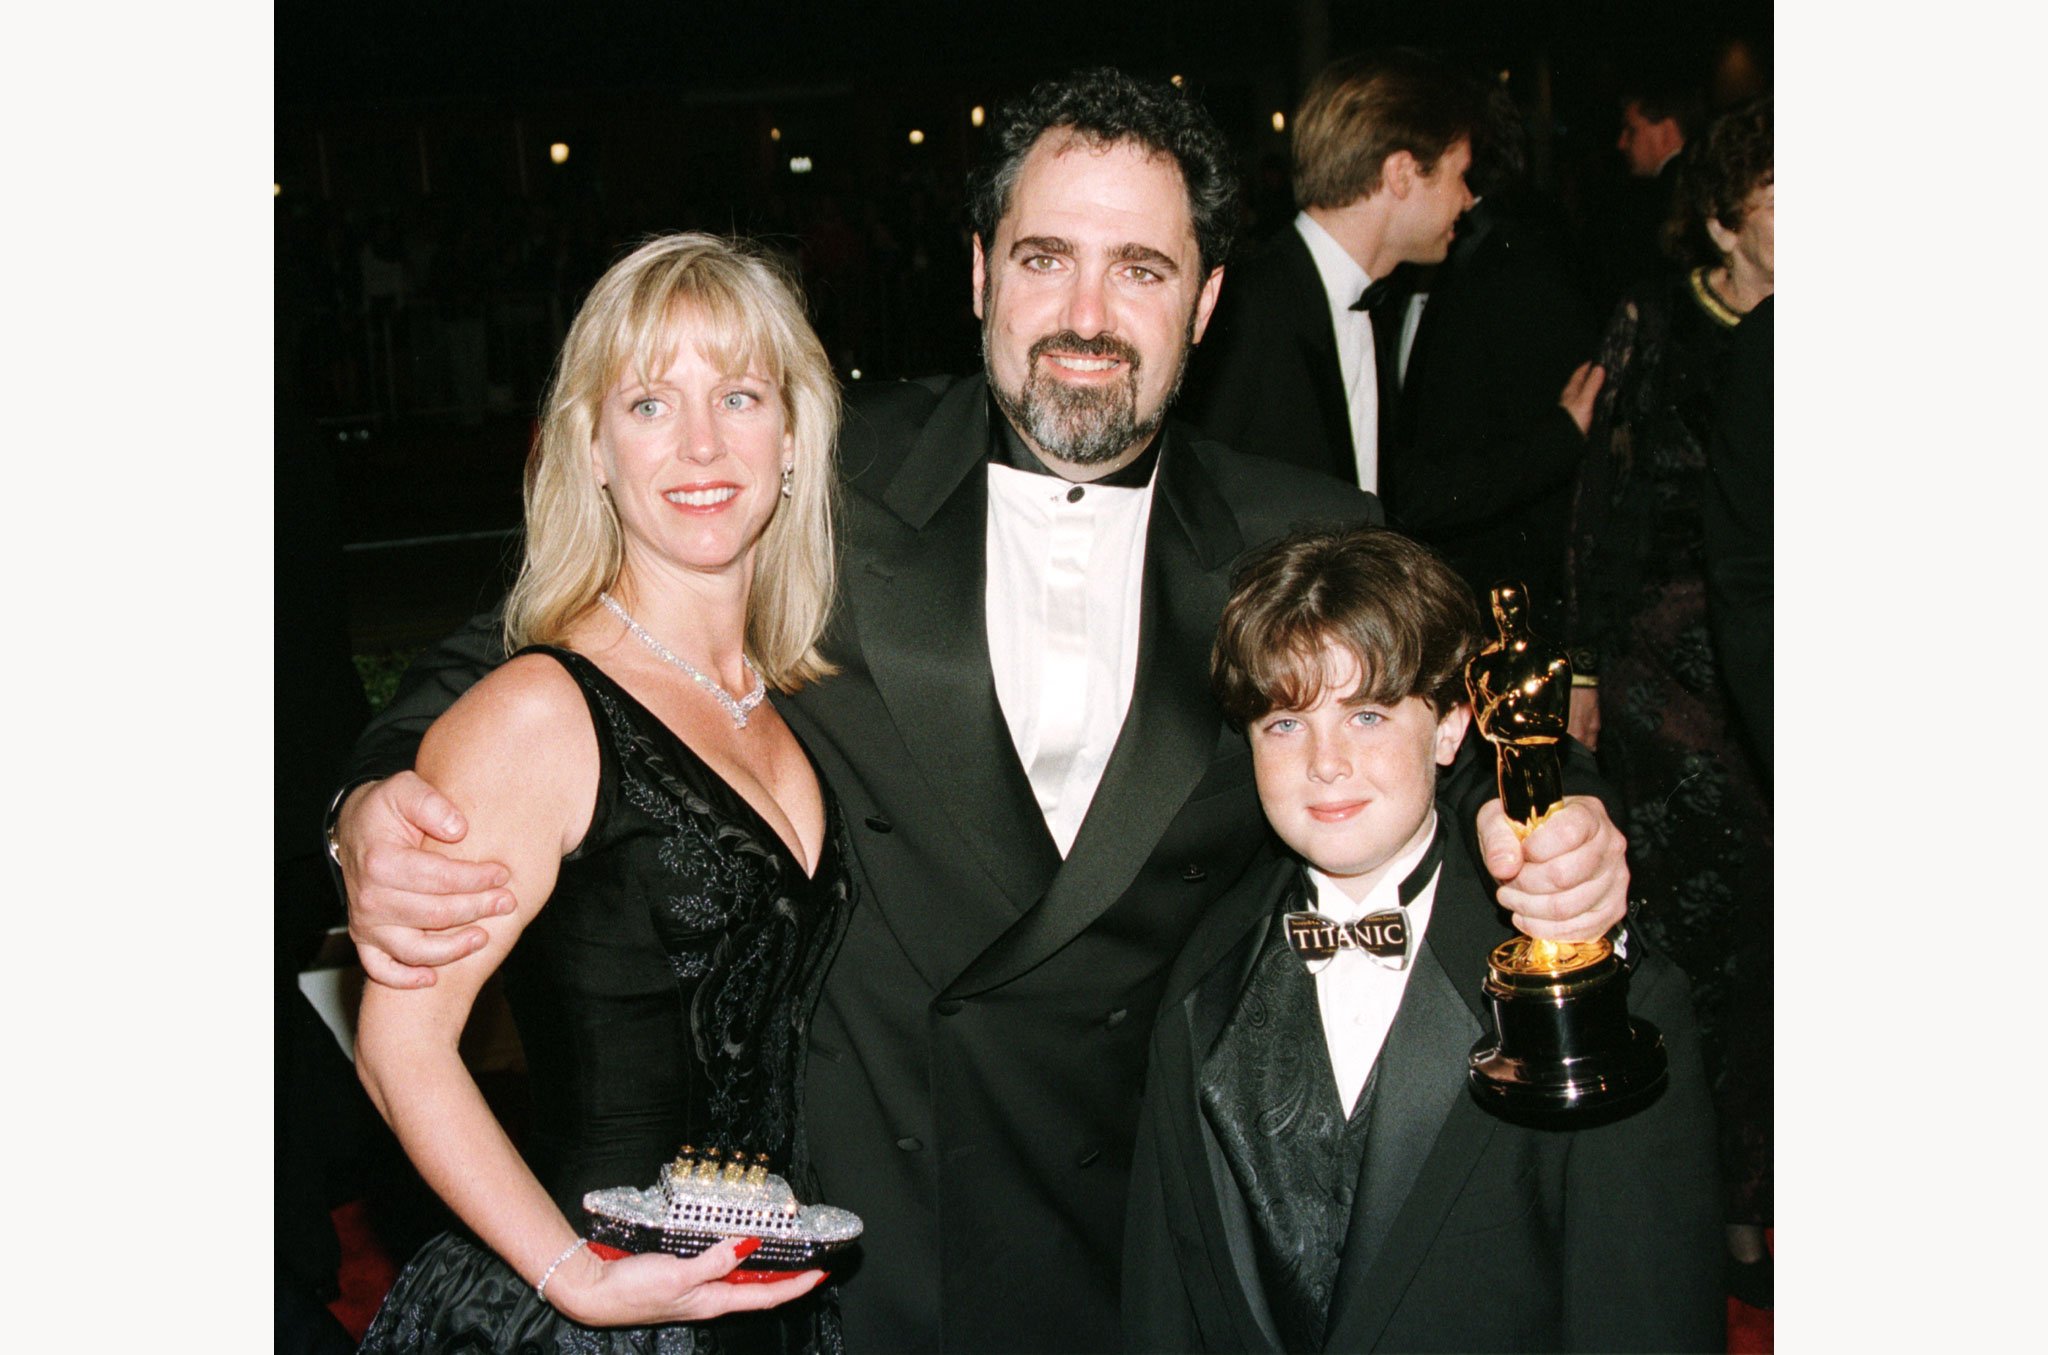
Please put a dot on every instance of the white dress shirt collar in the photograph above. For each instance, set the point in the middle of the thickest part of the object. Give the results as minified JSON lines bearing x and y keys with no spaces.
{"x":1343,"y":280}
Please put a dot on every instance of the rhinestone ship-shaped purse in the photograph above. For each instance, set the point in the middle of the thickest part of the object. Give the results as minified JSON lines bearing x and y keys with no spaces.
{"x":702,"y":1200}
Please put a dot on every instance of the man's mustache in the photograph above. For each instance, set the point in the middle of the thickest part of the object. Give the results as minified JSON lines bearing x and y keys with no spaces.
{"x":1101,"y":346}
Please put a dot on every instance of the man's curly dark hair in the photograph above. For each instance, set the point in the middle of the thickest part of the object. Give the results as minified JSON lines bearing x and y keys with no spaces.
{"x":1107,"y":106}
{"x":1715,"y":179}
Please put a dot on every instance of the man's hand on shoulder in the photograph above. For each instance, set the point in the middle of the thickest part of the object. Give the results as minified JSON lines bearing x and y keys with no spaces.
{"x":410,"y":909}
{"x":1568,"y":881}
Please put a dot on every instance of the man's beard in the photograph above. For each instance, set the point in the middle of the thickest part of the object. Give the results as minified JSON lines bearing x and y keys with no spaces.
{"x":1082,"y":425}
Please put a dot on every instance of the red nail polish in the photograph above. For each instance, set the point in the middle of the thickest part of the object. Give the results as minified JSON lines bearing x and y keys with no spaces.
{"x":747,"y":1247}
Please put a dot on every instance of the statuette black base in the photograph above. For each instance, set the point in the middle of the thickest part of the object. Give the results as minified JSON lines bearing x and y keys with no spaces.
{"x":1566,"y":1047}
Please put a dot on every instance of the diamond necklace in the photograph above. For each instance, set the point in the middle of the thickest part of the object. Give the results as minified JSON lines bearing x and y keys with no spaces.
{"x":737,"y":709}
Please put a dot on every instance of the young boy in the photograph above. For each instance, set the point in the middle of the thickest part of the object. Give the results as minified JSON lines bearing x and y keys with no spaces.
{"x":1311,"y":1173}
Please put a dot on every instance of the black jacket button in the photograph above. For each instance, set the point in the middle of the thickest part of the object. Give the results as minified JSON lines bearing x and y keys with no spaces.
{"x":909,"y":1145}
{"x":1193,"y":873}
{"x":880,"y":824}
{"x":948,"y":1006}
{"x":1116,"y":1018}
{"x":1088,"y":1158}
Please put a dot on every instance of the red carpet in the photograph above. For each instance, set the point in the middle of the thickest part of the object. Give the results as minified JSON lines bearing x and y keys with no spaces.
{"x":366,"y":1273}
{"x":1749,"y":1329}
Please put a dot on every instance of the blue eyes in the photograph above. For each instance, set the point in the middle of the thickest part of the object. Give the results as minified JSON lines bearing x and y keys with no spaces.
{"x":1288,"y":724}
{"x":648,"y":407}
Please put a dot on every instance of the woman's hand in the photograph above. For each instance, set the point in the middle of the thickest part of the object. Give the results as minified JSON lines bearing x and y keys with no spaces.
{"x":1581,"y":389}
{"x":655,"y":1287}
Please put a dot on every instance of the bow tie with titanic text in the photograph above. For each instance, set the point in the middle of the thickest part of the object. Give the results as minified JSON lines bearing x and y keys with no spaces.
{"x":1388,"y":935}
{"x":1385,"y":935}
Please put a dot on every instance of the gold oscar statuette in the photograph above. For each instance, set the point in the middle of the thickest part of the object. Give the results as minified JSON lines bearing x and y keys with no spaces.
{"x":1563,"y":1041}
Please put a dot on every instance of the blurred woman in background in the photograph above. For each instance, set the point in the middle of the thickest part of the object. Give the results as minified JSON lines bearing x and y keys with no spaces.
{"x":1653,"y":703}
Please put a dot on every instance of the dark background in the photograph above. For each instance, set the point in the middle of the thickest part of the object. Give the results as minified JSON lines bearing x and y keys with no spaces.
{"x":429,"y":254}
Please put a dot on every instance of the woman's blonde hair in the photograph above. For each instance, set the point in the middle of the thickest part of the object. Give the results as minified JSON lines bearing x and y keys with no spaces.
{"x":743,"y":311}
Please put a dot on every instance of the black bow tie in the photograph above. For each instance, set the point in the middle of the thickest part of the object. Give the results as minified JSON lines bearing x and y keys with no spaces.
{"x":1374,"y":293}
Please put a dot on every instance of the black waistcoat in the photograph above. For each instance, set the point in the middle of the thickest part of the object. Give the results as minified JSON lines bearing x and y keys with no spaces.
{"x":1271,"y":1098}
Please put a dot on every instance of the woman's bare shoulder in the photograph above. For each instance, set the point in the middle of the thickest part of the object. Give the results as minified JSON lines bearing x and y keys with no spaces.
{"x":528,"y":702}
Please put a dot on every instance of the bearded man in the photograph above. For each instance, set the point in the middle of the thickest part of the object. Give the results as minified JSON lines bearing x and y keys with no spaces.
{"x":1041,"y":795}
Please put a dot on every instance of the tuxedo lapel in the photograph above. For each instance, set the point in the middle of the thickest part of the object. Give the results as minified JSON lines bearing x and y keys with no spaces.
{"x":920,"y":600}
{"x":1309,"y":306}
{"x":1425,"y":1133}
{"x":1169,"y":732}
{"x":1210,"y":1186}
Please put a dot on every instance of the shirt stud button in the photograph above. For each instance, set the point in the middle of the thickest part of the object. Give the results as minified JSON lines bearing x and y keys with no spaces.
{"x":1074,"y":494}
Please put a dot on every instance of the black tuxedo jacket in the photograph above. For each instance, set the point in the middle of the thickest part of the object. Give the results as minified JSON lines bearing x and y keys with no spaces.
{"x":1467,"y":1233}
{"x":1476,"y":457}
{"x":975,"y":1062}
{"x":1266,"y":379}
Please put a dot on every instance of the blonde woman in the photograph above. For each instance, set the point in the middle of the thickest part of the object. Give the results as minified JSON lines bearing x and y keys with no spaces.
{"x":678,"y":873}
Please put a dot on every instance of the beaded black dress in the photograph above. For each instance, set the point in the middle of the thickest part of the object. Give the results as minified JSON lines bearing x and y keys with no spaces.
{"x":663,"y":998}
{"x":1698,"y":819}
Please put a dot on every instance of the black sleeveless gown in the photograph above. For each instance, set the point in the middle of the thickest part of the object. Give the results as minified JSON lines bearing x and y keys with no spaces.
{"x":663,"y":997}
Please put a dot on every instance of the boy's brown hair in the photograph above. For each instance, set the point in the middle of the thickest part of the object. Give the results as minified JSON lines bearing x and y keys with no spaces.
{"x":1404,"y":614}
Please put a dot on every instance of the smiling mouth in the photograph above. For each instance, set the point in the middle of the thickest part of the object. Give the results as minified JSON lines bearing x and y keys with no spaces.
{"x":1067,"y":351}
{"x":701,"y":498}
{"x":1336,"y":811}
